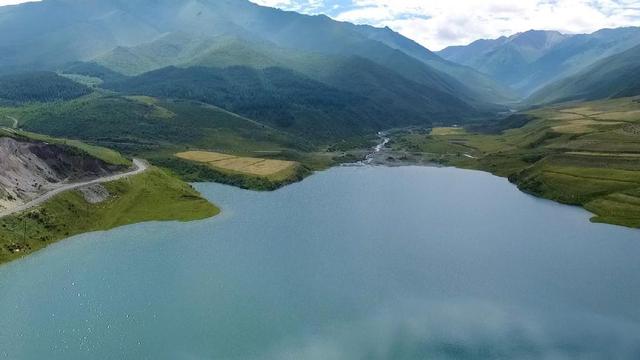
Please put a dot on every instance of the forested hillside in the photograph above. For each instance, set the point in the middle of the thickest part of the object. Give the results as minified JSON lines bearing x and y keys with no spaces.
{"x":39,"y":86}
{"x":136,"y":36}
{"x":287,"y":100}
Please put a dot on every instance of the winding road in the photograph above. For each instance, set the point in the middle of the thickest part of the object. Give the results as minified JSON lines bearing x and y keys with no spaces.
{"x":15,"y":121}
{"x":140,"y":166}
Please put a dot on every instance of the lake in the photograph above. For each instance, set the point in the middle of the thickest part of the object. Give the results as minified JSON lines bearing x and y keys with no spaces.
{"x":352,"y":263}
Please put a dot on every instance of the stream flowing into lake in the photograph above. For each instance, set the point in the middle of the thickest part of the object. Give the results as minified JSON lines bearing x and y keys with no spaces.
{"x":370,"y":158}
{"x":352,"y":263}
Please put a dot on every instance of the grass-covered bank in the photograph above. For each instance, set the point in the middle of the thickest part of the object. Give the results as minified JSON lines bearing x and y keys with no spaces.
{"x":584,"y":154}
{"x":192,"y":171}
{"x":151,"y":196}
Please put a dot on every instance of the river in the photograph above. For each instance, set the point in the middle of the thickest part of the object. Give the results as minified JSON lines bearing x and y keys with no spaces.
{"x":352,"y":263}
{"x":377,"y":150}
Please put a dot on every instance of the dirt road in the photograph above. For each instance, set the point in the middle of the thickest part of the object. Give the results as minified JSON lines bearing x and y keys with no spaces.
{"x":140,"y":166}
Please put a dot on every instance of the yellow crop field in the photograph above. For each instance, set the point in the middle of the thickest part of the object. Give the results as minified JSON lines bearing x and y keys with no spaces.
{"x":443,"y":131}
{"x":204,"y":156}
{"x":582,"y":126}
{"x":267,"y":168}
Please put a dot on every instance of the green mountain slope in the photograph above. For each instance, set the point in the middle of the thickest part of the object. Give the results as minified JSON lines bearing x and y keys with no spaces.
{"x":138,"y":124}
{"x":288,"y":100}
{"x":39,"y":86}
{"x":131,"y":37}
{"x":615,"y":76}
{"x":180,"y":49}
{"x":482,"y":86}
{"x":92,"y":70}
{"x":392,"y":94}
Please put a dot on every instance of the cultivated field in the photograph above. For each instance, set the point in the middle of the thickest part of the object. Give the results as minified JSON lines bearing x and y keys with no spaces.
{"x":447,"y":131}
{"x":274,"y":170}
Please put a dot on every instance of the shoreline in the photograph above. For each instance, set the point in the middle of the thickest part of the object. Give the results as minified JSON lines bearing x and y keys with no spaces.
{"x":384,"y":156}
{"x":405,"y":163}
{"x":151,"y":195}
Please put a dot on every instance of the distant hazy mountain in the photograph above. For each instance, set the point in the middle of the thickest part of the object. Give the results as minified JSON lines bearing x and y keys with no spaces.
{"x":505,"y":59}
{"x":482,"y":85}
{"x":40,"y":34}
{"x":533,"y":59}
{"x":615,"y":76}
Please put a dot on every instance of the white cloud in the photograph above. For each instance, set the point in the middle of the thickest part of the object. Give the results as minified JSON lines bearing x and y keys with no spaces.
{"x":306,"y":6}
{"x":13,"y":2}
{"x":440,"y":23}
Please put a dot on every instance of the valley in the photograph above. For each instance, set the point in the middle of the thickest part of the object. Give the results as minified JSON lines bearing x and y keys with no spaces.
{"x":300,"y":180}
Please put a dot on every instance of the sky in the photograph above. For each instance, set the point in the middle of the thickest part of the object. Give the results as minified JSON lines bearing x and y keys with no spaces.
{"x":440,"y":23}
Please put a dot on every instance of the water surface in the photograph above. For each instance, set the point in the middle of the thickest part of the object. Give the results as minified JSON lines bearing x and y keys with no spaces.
{"x":352,"y":263}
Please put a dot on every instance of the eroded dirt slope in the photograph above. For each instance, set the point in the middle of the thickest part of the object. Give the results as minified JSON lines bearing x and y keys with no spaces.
{"x":28,"y":169}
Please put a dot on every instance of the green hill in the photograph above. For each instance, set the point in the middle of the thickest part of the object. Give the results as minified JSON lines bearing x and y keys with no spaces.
{"x":135,"y":125}
{"x":91,"y":70}
{"x":40,"y":87}
{"x":290,"y":101}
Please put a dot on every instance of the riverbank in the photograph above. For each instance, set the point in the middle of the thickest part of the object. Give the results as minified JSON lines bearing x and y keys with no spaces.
{"x":581,"y":154}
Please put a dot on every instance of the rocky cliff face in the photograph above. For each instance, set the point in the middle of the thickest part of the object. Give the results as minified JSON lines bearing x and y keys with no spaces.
{"x":28,"y":169}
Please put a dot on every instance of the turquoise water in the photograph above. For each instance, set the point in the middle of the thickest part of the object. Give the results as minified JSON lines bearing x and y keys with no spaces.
{"x":352,"y":263}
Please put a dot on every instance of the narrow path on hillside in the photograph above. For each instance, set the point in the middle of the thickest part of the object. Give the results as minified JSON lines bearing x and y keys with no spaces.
{"x":140,"y":166}
{"x":14,"y":120}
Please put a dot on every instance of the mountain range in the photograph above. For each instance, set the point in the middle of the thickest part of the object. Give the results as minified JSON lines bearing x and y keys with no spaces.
{"x":528,"y":61}
{"x":309,"y":76}
{"x":612,"y":77}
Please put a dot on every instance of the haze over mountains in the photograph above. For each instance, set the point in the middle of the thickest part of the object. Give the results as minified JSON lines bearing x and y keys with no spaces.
{"x":614,"y":76}
{"x":528,"y":61}
{"x":310,"y":76}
